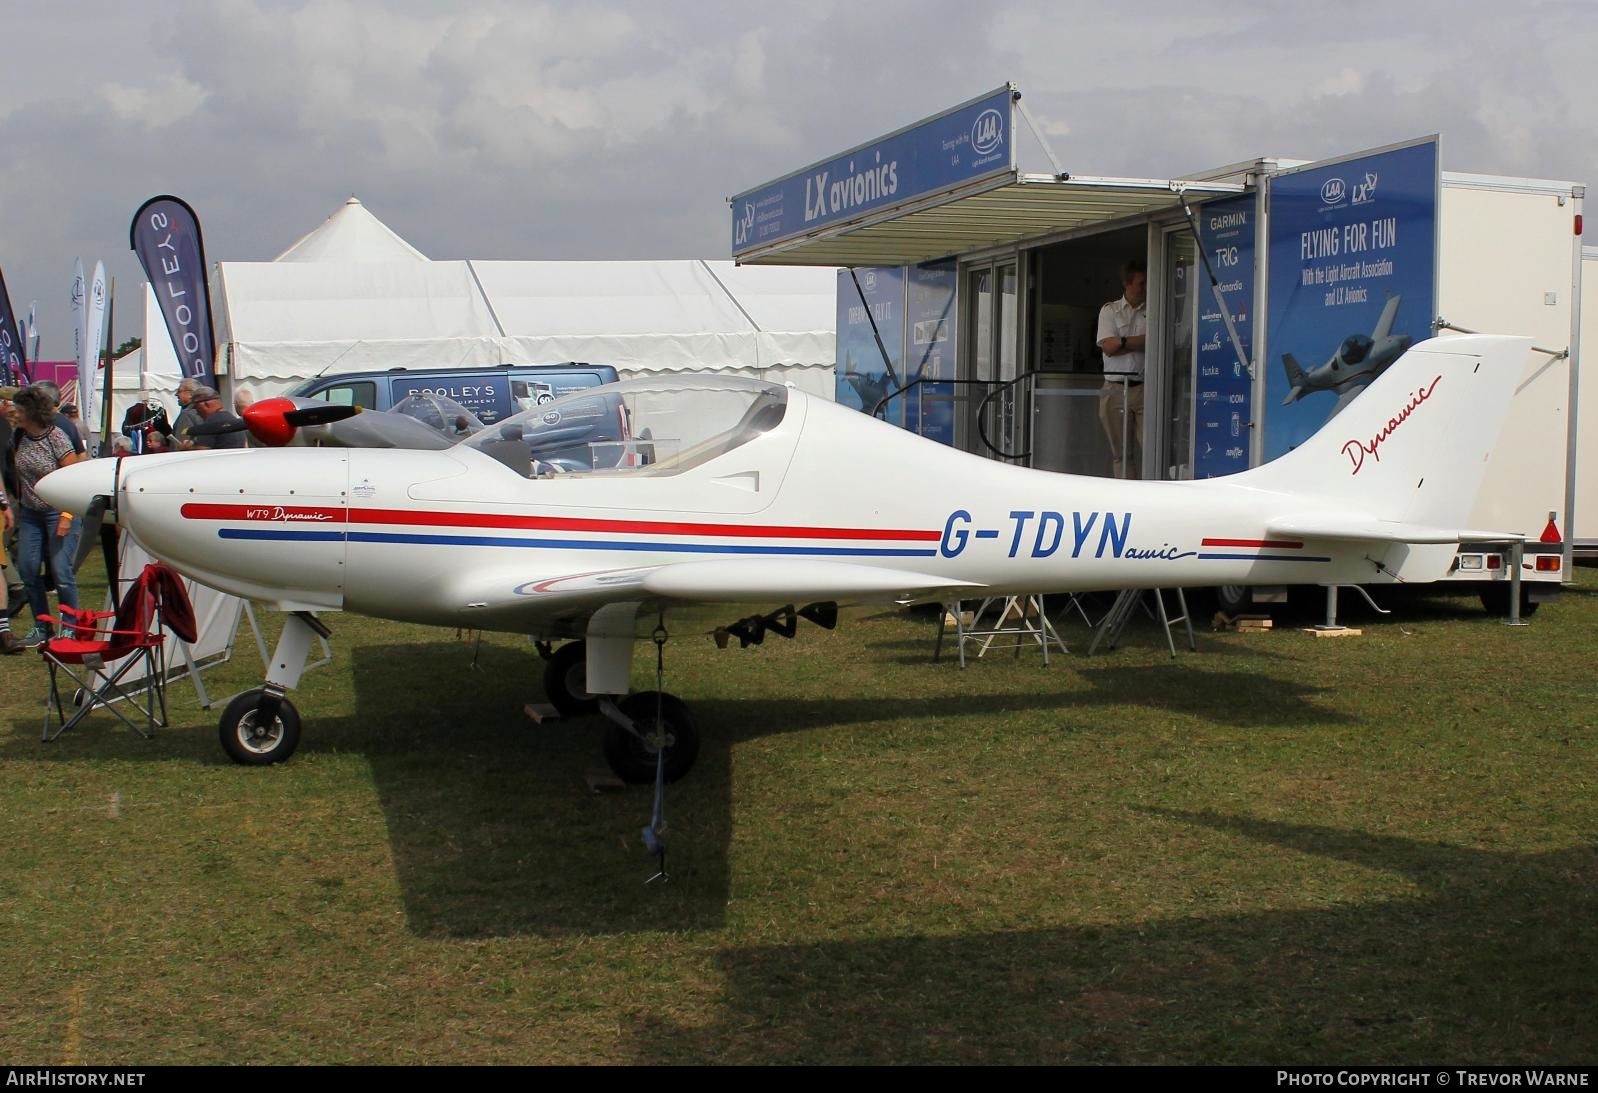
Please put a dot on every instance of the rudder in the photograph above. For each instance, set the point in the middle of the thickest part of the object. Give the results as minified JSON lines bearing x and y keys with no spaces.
{"x":1414,"y":446}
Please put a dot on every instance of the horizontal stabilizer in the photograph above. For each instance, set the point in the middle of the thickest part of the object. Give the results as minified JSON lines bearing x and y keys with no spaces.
{"x":764,"y":580}
{"x":1369,"y":529}
{"x":1295,"y":376}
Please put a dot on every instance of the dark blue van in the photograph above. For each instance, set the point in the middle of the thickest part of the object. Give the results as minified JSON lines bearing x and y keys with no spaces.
{"x":492,"y":392}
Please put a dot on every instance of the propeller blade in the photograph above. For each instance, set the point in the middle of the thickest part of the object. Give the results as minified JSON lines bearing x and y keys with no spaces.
{"x":89,"y":533}
{"x":274,"y":421}
{"x":325,"y":414}
{"x":94,"y":528}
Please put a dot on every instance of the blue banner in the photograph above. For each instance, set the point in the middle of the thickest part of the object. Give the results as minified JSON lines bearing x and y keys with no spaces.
{"x":930,"y":317}
{"x":1353,"y":270}
{"x":13,"y":349}
{"x":863,"y":377}
{"x":970,"y":142}
{"x":165,"y":234}
{"x":1223,"y":391}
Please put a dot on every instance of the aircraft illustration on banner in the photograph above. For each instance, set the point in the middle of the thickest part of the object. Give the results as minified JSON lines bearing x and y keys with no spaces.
{"x":710,"y":489}
{"x":1358,"y":361}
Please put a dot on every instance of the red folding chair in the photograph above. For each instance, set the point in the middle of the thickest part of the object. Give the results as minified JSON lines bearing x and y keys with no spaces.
{"x":98,"y":658}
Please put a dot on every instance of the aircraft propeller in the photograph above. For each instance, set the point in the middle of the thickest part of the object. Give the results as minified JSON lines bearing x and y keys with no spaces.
{"x":89,"y":530}
{"x":273,"y":421}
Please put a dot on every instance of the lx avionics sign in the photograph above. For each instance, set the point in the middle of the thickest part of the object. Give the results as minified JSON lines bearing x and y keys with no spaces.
{"x":966,"y":144}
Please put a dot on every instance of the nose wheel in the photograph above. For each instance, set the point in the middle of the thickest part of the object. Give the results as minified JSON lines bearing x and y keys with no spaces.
{"x":260,"y":727}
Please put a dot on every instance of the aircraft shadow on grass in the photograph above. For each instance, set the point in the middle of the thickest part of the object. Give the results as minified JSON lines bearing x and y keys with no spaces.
{"x":495,"y":832}
{"x":1494,"y":961}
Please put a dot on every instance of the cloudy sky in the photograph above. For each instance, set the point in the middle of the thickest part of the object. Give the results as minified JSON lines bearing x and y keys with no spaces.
{"x":602,"y":129}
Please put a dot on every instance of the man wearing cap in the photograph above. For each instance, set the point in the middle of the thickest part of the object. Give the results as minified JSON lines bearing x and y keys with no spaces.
{"x":208,"y":404}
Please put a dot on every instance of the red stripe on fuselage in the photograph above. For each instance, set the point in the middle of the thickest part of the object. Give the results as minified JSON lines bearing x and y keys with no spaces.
{"x":270,"y":514}
{"x":410,"y":518}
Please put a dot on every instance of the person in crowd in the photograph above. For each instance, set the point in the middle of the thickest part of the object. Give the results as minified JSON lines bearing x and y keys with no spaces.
{"x":67,"y":424}
{"x":9,"y":644}
{"x":42,"y":447}
{"x":188,"y":416}
{"x":243,"y":399}
{"x":208,"y":403}
{"x":142,"y":419}
{"x":70,"y":430}
{"x":1123,"y":326}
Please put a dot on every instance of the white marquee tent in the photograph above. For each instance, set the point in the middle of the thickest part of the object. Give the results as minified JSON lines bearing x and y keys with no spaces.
{"x":353,"y":296}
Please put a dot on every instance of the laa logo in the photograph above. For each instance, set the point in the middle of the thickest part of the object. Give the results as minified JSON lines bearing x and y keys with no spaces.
{"x":987,"y":132}
{"x":1333,"y":190}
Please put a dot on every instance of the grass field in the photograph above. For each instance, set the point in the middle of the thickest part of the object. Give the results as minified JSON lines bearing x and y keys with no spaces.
{"x":1380,"y":849}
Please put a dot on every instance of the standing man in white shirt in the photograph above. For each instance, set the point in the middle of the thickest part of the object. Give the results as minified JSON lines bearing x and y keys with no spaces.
{"x":1123,"y":329}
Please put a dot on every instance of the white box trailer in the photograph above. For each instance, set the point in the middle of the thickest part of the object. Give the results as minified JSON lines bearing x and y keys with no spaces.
{"x":1510,"y":261}
{"x":1306,"y":250}
{"x":1584,"y":514}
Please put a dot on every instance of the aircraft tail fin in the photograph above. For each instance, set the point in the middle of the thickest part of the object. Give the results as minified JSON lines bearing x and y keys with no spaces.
{"x":1414,"y":447}
{"x":1295,"y":376}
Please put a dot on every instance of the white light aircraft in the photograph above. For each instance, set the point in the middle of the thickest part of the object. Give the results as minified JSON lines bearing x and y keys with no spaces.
{"x":576,"y":519}
{"x":1358,"y":360}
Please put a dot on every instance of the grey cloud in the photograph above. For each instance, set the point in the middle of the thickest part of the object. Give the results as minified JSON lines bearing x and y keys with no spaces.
{"x":617,"y":129}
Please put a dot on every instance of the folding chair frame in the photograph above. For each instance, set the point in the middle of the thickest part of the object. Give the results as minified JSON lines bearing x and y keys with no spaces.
{"x":98,"y":685}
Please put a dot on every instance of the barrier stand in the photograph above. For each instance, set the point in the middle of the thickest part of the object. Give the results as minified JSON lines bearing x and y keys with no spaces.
{"x":1113,"y":623}
{"x":1032,"y":627}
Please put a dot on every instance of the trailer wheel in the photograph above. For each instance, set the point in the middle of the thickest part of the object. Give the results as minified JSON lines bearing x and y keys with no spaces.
{"x":1233,"y":599}
{"x":1495,"y":599}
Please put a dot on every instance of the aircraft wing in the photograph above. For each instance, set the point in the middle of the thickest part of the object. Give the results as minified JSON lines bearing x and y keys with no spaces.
{"x":1384,"y":325}
{"x":1362,"y":528}
{"x":516,"y":603}
{"x":760,"y":580}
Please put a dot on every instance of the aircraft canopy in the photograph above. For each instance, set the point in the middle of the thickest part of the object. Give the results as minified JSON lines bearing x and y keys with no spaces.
{"x":656,"y":425}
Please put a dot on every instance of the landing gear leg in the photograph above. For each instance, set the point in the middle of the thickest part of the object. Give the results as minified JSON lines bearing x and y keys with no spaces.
{"x":261,"y":726}
{"x":652,"y":738}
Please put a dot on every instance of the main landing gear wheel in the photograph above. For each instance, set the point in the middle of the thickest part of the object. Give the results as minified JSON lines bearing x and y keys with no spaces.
{"x":249,"y":739}
{"x":566,"y":681}
{"x":632,"y":756}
